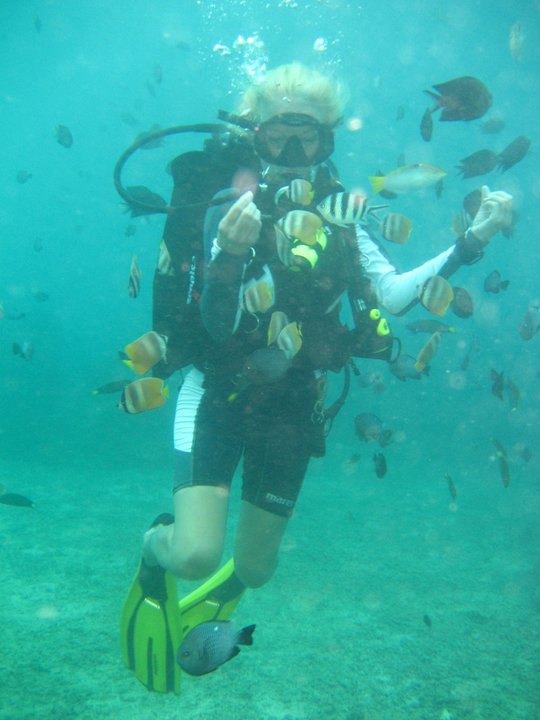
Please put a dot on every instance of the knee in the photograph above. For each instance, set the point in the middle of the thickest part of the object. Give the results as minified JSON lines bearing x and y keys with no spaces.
{"x":195,"y":563}
{"x":254,"y":574}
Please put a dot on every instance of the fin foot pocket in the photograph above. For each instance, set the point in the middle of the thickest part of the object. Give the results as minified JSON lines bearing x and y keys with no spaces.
{"x":215,"y":599}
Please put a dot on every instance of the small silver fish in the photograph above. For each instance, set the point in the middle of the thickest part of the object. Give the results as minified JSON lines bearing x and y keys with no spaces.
{"x":211,"y":644}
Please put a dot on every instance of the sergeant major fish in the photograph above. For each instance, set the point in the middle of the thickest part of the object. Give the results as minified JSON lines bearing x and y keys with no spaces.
{"x":346,"y":208}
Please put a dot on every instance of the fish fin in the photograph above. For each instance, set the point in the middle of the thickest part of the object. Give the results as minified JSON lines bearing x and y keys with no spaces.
{"x":165,"y":391}
{"x":377,"y":182}
{"x":245,"y":637}
{"x":234,"y":652}
{"x":150,"y":626}
{"x":504,"y":284}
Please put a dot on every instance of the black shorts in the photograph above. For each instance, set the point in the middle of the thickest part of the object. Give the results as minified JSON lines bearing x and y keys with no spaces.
{"x":269,"y":426}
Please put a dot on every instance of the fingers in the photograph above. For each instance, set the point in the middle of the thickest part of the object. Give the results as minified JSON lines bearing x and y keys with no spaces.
{"x":485,"y":192}
{"x":240,"y":227}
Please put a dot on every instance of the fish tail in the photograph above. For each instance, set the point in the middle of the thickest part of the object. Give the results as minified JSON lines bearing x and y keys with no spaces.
{"x":130,"y":364}
{"x":504,"y":284}
{"x":245,"y":636}
{"x":377,"y":182}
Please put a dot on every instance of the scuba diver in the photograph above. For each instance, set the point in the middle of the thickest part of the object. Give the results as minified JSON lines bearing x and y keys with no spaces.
{"x":283,"y":244}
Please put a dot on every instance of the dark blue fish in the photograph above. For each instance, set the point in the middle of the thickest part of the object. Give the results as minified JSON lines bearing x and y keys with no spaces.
{"x":494,"y":284}
{"x":210,"y":644}
{"x":142,"y":194}
{"x":64,"y":136}
{"x":380,"y":464}
{"x":426,"y":126}
{"x":16,"y":500}
{"x":497,"y":384}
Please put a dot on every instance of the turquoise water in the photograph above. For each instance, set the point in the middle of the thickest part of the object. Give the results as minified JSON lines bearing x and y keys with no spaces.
{"x":340,"y":630}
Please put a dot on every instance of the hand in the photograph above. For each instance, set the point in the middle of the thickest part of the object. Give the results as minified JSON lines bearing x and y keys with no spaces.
{"x":239,"y":229}
{"x":494,"y":213}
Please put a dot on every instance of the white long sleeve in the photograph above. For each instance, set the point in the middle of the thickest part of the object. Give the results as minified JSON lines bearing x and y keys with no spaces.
{"x":395,"y":290}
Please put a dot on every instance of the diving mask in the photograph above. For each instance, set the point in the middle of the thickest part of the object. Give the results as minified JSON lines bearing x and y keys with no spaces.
{"x":293,"y":140}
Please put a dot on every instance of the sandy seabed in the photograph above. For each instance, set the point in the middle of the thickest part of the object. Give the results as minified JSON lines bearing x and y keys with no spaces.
{"x":343,"y":630}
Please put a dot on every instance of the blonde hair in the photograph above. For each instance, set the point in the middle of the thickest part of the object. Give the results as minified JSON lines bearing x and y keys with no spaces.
{"x":295,"y":88}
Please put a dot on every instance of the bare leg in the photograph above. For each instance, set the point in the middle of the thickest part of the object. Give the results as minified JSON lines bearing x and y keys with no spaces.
{"x":192,"y":547}
{"x":258,"y":539}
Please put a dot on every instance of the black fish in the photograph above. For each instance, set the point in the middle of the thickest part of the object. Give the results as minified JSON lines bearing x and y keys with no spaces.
{"x":130,"y":231}
{"x":380,"y":464}
{"x":400,"y":112}
{"x":386,"y":437}
{"x":427,"y":620}
{"x":462,"y":303}
{"x":426,"y":126}
{"x":38,"y":244}
{"x":144,"y":195}
{"x":494,"y":284}
{"x":464,"y":98}
{"x":479,"y":163}
{"x":472,"y":202}
{"x":497,"y":384}
{"x":515,"y":152}
{"x":64,"y":136}
{"x":16,"y":500}
{"x":40,"y":296}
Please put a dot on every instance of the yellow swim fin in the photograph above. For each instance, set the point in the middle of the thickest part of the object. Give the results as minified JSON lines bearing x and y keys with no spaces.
{"x":150,"y":626}
{"x":215,"y":599}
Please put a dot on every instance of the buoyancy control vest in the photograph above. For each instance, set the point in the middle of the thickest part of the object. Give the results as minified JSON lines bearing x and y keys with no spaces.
{"x":178,"y":278}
